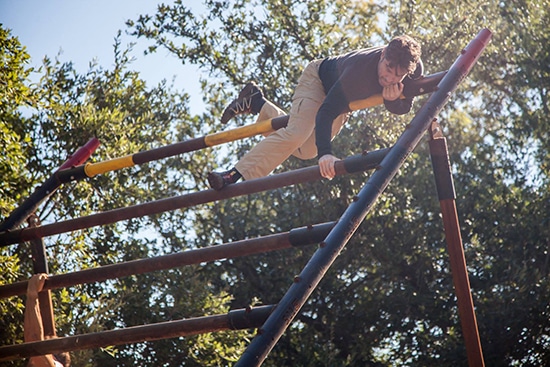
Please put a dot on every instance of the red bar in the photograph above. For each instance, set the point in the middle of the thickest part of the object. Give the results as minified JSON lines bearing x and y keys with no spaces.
{"x":82,"y":154}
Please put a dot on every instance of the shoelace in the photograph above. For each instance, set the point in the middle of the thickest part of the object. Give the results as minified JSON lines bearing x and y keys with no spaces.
{"x":246,"y":103}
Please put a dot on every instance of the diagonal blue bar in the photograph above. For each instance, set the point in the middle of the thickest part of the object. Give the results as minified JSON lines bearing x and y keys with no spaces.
{"x":322,"y":259}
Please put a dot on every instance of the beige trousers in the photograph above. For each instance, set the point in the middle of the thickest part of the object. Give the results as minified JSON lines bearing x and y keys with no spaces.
{"x":298,"y":137}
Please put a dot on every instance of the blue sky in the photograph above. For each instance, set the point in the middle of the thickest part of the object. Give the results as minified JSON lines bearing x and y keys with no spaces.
{"x":84,"y":30}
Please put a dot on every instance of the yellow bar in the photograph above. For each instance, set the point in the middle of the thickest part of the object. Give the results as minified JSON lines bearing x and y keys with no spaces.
{"x":92,"y":169}
{"x":238,"y":133}
{"x":368,"y":102}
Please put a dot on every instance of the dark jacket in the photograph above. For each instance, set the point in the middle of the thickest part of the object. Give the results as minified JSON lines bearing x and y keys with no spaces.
{"x":351,"y":77}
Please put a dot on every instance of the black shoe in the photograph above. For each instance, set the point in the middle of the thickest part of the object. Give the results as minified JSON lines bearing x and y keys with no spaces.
{"x":218,"y":180}
{"x":250,"y":100}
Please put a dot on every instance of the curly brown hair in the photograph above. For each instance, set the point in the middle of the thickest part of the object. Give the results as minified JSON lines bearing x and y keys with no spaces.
{"x":405,"y":52}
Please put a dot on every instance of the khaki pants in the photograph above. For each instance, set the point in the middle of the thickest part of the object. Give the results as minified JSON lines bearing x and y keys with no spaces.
{"x":298,"y":137}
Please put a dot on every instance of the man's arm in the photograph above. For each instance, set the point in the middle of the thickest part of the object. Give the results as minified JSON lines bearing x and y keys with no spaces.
{"x":393,"y":102}
{"x":34,"y":331}
{"x":392,"y":94}
{"x":33,"y":328}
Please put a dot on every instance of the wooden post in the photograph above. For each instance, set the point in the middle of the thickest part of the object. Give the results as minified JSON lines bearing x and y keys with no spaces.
{"x":447,"y":196}
{"x":40,"y":265}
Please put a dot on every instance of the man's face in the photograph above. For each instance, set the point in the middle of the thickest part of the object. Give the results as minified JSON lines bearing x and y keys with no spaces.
{"x":388,"y":75}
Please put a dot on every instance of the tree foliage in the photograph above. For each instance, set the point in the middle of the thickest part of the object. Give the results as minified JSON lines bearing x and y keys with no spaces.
{"x":389,"y":299}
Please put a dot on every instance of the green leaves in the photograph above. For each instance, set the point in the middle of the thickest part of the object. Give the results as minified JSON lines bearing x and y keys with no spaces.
{"x":389,"y":299}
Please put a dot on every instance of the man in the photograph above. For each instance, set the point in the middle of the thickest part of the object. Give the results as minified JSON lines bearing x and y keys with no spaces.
{"x":34,"y":329}
{"x":320,"y":106}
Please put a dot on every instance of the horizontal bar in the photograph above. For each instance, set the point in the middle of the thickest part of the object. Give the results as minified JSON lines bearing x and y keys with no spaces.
{"x":423,"y":85}
{"x":296,"y":237}
{"x":366,"y":161}
{"x":245,"y":318}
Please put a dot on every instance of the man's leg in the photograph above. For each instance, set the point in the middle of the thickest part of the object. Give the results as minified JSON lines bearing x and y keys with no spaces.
{"x":269,"y":153}
{"x":278,"y":146}
{"x":308,"y":150}
{"x":249,"y":101}
{"x":218,"y":180}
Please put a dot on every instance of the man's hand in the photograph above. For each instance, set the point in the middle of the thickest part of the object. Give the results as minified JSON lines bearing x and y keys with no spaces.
{"x":392,"y":92}
{"x":36,"y":283}
{"x":326,"y":166}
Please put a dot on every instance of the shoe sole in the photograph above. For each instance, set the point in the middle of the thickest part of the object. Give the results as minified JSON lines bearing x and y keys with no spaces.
{"x":216,"y":181}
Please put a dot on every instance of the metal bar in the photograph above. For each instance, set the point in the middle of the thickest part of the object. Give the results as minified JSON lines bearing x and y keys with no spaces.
{"x":19,"y":215}
{"x":447,"y":199}
{"x":311,"y":275}
{"x":82,"y":154}
{"x":295,"y":237}
{"x":234,"y":320}
{"x":423,"y":85}
{"x":366,"y":161}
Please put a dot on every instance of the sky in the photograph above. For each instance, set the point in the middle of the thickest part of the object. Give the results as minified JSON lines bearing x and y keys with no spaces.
{"x":83,"y":30}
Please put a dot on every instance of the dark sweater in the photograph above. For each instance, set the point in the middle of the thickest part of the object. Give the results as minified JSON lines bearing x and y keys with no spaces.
{"x":351,"y":77}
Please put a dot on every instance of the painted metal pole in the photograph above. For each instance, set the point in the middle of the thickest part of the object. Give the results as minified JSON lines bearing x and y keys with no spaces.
{"x":357,"y":163}
{"x":417,"y":87}
{"x":447,"y":199}
{"x":240,"y":319}
{"x":19,"y":215}
{"x":296,"y":237}
{"x":311,"y":275}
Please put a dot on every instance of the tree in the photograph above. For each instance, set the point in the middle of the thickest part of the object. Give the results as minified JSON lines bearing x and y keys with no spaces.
{"x":127,"y":116}
{"x":17,"y":152}
{"x":389,"y":299}
{"x":14,"y":93}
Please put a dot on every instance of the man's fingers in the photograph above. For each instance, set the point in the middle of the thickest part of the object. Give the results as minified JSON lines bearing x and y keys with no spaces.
{"x":326,"y":166}
{"x":327,"y":173}
{"x":392,"y":92}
